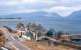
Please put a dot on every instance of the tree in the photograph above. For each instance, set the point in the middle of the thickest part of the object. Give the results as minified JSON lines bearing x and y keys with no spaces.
{"x":28,"y":26}
{"x":50,"y":33}
{"x":20,"y":25}
{"x":31,"y":26}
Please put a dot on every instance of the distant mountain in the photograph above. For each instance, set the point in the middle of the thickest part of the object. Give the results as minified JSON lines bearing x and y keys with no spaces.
{"x":33,"y":14}
{"x":72,"y":23}
{"x":75,"y":15}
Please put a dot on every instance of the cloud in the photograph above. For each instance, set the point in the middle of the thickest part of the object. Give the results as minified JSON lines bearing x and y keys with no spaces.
{"x":63,"y":11}
{"x":62,"y":7}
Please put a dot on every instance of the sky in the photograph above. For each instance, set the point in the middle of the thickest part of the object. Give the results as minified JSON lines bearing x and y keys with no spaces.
{"x":61,"y":7}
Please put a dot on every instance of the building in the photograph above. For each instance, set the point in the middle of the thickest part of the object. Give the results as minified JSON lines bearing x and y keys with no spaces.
{"x":65,"y":38}
{"x":36,"y":31}
{"x":20,"y":28}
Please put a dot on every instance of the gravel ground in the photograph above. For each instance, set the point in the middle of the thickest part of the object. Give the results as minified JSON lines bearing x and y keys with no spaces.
{"x":44,"y":46}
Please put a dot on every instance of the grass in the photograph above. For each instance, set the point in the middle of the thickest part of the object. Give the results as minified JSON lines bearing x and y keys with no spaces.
{"x":44,"y":46}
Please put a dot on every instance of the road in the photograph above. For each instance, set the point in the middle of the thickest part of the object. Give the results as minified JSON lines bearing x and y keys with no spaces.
{"x":19,"y":45}
{"x":16,"y":42}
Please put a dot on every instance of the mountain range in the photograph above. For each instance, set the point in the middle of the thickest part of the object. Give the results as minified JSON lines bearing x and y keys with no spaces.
{"x":71,"y":23}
